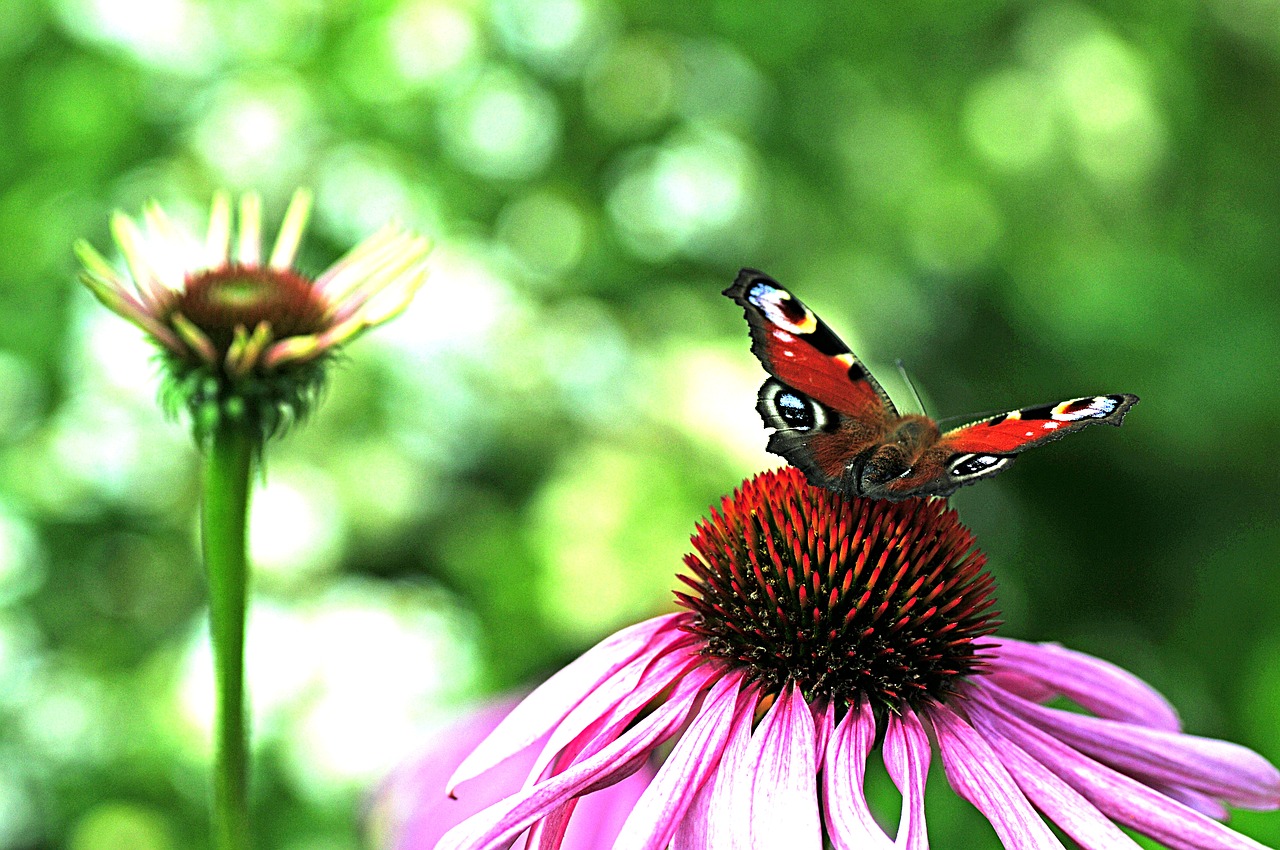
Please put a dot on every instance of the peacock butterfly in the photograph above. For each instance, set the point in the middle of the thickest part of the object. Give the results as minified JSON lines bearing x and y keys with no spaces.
{"x":835,"y":423}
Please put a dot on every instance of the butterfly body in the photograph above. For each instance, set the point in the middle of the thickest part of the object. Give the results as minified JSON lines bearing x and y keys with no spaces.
{"x":834,"y":422}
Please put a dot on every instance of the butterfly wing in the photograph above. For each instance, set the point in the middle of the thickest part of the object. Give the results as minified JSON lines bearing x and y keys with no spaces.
{"x":981,"y":449}
{"x":824,"y":405}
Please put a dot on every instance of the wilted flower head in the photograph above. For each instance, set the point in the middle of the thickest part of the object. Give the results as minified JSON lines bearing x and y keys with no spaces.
{"x":246,"y":337}
{"x":817,"y":626}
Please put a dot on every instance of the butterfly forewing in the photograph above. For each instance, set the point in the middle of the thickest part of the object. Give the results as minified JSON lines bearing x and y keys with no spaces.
{"x":798,"y":349}
{"x":981,"y":449}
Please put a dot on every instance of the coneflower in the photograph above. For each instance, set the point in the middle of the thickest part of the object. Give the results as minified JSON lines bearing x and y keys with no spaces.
{"x":245,"y":340}
{"x":244,"y":335}
{"x":816,"y":626}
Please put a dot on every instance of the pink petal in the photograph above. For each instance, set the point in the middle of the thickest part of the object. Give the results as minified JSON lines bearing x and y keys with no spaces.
{"x":1220,"y":769}
{"x":1097,"y":685}
{"x":849,"y":821}
{"x":906,"y":757}
{"x":1016,"y":683}
{"x":654,"y":820}
{"x":977,"y":775}
{"x":614,"y":703}
{"x":411,"y":810}
{"x":499,"y":824}
{"x":1202,"y":803}
{"x":784,"y":793}
{"x":549,"y":833}
{"x":556,"y":697}
{"x":1121,"y":798}
{"x":824,"y":723}
{"x":720,"y":811}
{"x":1066,"y":807}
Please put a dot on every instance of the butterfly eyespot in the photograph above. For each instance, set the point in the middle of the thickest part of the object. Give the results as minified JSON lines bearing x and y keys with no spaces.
{"x":966,"y":465}
{"x":782,"y":310}
{"x":792,"y":411}
{"x":1095,"y":407}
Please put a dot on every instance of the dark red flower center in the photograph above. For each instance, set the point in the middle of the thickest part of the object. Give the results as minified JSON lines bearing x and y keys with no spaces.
{"x":218,"y":301}
{"x":847,"y":597}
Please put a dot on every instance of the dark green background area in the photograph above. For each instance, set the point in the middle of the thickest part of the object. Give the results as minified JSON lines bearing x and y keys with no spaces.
{"x":1025,"y":201}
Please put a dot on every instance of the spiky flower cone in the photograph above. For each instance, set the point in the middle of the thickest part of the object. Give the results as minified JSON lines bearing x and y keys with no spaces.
{"x":848,"y":598}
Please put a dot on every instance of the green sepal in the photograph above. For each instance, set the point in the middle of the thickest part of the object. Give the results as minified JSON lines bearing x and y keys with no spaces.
{"x":263,"y":405}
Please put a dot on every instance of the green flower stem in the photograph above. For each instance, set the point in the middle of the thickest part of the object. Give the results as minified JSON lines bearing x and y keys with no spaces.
{"x":228,"y":470}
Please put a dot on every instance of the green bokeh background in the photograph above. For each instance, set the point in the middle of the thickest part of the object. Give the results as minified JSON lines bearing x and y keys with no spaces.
{"x":1023,"y":200}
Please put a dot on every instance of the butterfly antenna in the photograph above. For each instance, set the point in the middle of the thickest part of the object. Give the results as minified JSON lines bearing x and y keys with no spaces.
{"x":902,"y":370}
{"x":969,"y":417}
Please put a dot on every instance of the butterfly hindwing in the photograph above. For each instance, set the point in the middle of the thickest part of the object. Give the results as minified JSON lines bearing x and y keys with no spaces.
{"x":817,"y":439}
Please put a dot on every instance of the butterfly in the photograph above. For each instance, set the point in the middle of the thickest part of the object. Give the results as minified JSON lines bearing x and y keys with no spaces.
{"x":834,"y":422}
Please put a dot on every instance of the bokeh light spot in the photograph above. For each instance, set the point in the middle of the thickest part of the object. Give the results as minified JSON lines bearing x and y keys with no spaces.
{"x":1119,"y":136}
{"x":342,"y":679}
{"x":429,"y":39}
{"x":629,"y":88}
{"x":502,"y":125}
{"x":256,"y":133}
{"x":121,"y":826}
{"x":545,"y":231}
{"x":555,"y":35}
{"x":695,"y":195}
{"x":612,"y":521}
{"x":296,"y":529}
{"x":362,"y":186}
{"x":172,"y":34}
{"x":1009,"y":119}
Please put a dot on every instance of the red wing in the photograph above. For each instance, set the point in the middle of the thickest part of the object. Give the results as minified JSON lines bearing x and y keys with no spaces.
{"x":798,"y":349}
{"x":1010,"y":433}
{"x":983,"y":448}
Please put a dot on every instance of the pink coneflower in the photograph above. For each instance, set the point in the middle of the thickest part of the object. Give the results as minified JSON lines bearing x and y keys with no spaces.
{"x":818,"y":625}
{"x":245,"y":336}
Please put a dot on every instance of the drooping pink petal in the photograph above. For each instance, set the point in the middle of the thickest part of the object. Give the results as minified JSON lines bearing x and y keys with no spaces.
{"x":1016,"y":683}
{"x":906,"y":757}
{"x":849,"y":821}
{"x":615,"y":702}
{"x":499,"y":824}
{"x":1220,"y":769}
{"x":549,"y":833}
{"x":556,"y":697}
{"x":1066,"y":807}
{"x":1099,"y":686}
{"x":1122,"y":798}
{"x":784,"y":793}
{"x":977,"y":775}
{"x":411,"y":811}
{"x":1202,"y":803}
{"x":720,"y":811}
{"x":654,"y":820}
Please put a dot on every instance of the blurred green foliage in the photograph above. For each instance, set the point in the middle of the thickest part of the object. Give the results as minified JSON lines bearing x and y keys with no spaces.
{"x":1025,"y":201}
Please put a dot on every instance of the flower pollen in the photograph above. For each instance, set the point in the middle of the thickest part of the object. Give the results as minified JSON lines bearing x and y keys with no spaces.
{"x":846,"y":597}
